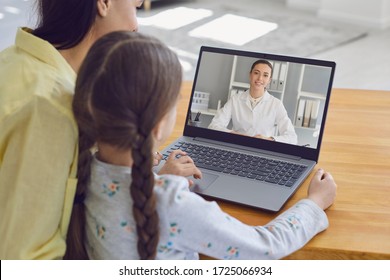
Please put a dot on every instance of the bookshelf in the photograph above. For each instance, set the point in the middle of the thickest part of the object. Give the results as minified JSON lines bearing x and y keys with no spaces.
{"x":310,"y":98}
{"x":310,"y":103}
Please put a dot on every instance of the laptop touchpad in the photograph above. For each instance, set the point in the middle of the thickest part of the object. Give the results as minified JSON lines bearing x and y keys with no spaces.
{"x":202,"y":184}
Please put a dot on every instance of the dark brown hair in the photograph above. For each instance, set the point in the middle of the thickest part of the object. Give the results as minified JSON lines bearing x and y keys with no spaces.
{"x":262,"y":61}
{"x":64,"y":23}
{"x":126,"y":85}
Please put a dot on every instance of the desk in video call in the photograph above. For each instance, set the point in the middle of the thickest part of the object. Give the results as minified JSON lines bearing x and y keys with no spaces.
{"x":356,"y":150}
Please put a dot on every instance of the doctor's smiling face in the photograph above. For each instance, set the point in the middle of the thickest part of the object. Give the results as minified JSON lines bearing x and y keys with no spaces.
{"x":260,"y":77}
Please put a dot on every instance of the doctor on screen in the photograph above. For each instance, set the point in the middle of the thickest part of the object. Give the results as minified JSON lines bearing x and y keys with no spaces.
{"x":255,"y":112}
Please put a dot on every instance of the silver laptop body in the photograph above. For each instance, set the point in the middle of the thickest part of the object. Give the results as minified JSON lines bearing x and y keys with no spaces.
{"x":243,"y":169}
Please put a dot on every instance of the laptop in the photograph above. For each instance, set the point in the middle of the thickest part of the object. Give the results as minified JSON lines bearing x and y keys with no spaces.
{"x":236,"y":164}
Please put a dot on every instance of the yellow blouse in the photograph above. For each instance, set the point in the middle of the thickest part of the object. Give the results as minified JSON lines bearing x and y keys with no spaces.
{"x":38,"y":149}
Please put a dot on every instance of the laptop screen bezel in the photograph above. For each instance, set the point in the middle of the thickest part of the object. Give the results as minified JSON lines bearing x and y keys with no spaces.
{"x":277,"y":147}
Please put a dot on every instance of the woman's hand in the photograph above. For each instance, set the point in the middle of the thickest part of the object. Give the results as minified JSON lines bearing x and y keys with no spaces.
{"x":179,"y":163}
{"x":260,"y":136}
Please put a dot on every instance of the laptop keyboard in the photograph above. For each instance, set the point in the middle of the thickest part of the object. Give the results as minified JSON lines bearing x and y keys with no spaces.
{"x":243,"y":165}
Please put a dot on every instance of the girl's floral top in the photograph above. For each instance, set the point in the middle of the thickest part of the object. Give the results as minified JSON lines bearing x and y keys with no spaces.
{"x":189,"y":225}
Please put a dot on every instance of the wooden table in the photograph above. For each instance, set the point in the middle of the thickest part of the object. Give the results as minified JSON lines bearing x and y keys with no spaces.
{"x":356,"y":150}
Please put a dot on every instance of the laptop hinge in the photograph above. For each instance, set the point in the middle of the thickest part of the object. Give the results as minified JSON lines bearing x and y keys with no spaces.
{"x":243,"y":148}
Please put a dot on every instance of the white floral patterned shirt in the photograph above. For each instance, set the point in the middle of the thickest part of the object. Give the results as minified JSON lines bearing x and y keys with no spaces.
{"x":189,"y":225}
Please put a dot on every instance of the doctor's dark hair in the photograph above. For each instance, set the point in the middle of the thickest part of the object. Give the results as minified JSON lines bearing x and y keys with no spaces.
{"x":126,"y":85}
{"x":64,"y":23}
{"x":262,"y":61}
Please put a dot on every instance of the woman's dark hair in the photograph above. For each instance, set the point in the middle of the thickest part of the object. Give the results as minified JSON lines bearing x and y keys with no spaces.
{"x":64,"y":23}
{"x":262,"y":61}
{"x":126,"y":85}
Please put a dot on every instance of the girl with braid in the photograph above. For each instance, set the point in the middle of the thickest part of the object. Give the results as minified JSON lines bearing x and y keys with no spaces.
{"x":125,"y":103}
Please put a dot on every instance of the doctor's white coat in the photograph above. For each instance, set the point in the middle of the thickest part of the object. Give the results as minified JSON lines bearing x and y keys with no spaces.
{"x":268,"y":118}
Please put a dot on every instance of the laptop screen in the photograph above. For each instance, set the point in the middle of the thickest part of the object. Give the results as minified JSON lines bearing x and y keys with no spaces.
{"x":264,"y":97}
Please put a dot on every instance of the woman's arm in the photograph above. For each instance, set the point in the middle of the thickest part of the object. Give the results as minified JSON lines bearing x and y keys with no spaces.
{"x":223,"y":117}
{"x":37,"y":146}
{"x":285,"y":127}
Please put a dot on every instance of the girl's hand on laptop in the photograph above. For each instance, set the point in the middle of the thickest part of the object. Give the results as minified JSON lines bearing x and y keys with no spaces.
{"x":157,"y":158}
{"x":322,"y":189}
{"x":179,"y":163}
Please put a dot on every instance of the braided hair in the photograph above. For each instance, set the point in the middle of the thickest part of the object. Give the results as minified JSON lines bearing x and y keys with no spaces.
{"x":126,"y":85}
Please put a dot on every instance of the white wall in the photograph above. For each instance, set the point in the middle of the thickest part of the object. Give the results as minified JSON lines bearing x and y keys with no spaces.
{"x":386,"y":13}
{"x":367,"y":13}
{"x":372,"y":13}
{"x":312,"y":5}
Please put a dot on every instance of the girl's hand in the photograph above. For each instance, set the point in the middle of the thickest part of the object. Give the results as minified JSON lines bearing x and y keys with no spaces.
{"x":157,"y":158}
{"x":322,"y":189}
{"x":179,"y":163}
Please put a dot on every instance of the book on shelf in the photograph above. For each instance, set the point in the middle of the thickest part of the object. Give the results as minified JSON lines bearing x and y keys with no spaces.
{"x":282,"y":76}
{"x":300,"y":112}
{"x":314,"y":113}
{"x":307,"y":113}
{"x":306,"y":116}
{"x":275,"y":76}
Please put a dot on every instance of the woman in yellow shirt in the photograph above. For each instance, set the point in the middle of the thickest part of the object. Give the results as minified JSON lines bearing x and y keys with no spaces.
{"x":38,"y":134}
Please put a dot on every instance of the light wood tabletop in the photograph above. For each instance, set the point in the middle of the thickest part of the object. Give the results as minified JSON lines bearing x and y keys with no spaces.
{"x":356,"y":151}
